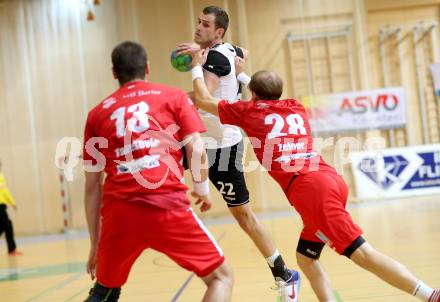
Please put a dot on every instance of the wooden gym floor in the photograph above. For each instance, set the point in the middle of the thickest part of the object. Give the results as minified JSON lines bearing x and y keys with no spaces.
{"x":52,"y":267}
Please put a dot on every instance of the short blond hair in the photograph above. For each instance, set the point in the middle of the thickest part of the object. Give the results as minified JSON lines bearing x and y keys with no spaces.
{"x":267,"y":85}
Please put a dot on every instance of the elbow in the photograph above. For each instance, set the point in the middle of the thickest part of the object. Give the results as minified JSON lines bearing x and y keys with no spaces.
{"x":198,"y":98}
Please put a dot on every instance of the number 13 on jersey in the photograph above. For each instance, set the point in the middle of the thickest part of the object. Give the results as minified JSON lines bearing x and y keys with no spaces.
{"x":137,"y":123}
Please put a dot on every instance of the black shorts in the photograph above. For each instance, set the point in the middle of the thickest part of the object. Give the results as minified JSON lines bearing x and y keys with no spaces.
{"x":226,"y":174}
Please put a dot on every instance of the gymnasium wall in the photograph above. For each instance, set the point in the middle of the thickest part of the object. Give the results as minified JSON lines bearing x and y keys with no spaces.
{"x":55,"y":66}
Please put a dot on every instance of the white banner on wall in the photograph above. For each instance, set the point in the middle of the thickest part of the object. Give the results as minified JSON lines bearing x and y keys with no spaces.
{"x":397,"y":172}
{"x":359,"y":110}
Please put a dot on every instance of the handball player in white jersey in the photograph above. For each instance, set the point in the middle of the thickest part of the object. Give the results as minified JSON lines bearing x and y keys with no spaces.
{"x":224,"y":143}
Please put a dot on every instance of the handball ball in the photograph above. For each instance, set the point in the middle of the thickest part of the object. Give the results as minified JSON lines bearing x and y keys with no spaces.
{"x":181,"y":62}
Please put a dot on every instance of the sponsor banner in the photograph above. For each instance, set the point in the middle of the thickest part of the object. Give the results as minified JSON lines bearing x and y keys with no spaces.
{"x":435,"y":70}
{"x":355,"y":111}
{"x":397,"y":172}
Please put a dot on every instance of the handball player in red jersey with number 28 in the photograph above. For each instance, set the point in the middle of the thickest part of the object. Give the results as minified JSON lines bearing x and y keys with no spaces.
{"x":280,"y":134}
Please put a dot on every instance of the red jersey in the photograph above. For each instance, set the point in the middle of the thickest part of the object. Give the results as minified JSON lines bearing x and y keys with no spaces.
{"x":280,"y":135}
{"x":135,"y":134}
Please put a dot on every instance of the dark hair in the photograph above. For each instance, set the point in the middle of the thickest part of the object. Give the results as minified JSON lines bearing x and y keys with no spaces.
{"x":267,"y":85}
{"x":129,"y":60}
{"x":221,"y":17}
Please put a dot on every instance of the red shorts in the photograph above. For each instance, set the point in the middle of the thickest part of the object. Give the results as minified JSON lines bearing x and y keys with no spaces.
{"x":320,"y":198}
{"x":130,"y":227}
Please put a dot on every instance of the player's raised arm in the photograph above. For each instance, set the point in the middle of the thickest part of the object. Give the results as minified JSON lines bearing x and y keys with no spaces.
{"x":202,"y":97}
{"x":242,"y":77}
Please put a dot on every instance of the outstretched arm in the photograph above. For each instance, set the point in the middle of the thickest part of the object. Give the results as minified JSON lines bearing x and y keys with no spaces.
{"x":212,"y":80}
{"x":202,"y":97}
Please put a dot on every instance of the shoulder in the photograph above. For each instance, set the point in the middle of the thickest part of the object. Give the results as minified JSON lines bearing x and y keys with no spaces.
{"x":164,"y":89}
{"x":217,"y":63}
{"x":216,"y":57}
{"x":169,"y":95}
{"x":237,"y":105}
{"x":104,"y":104}
{"x":238,"y":51}
{"x":107,"y":102}
{"x":160,"y":91}
{"x":297,"y":104}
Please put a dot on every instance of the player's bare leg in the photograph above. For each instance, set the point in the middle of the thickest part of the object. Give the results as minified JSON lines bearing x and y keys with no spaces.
{"x":254,"y":228}
{"x":284,"y":277}
{"x":384,"y":267}
{"x":392,"y":272}
{"x":219,"y":283}
{"x":317,"y":277}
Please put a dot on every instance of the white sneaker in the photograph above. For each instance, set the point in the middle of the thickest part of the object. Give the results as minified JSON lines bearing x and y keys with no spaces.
{"x":289,"y":291}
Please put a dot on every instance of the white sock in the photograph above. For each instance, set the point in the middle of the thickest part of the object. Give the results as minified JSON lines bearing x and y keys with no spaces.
{"x":422,"y":291}
{"x":271,"y":260}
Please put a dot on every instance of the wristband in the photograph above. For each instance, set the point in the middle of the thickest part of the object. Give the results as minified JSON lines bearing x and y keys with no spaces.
{"x":243,"y":78}
{"x":201,"y":188}
{"x":197,"y":72}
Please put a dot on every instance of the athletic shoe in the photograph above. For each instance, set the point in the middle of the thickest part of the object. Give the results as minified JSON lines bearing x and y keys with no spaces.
{"x":288,"y":291}
{"x":101,"y":293}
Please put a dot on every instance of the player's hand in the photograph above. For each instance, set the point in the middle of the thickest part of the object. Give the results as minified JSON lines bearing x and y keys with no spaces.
{"x":188,"y":48}
{"x":204,"y":201}
{"x":245,"y":53}
{"x":239,"y":65}
{"x":91,"y":263}
{"x":199,"y":57}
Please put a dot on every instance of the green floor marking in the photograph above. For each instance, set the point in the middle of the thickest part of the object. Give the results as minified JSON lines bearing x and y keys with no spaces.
{"x":52,"y":289}
{"x":338,"y":297}
{"x":41,"y":271}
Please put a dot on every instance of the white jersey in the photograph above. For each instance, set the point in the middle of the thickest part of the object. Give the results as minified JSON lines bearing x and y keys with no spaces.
{"x":221,"y":61}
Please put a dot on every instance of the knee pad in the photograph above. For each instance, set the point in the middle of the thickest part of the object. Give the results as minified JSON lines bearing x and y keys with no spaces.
{"x":310,"y":249}
{"x":353,"y":247}
{"x":101,"y":293}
